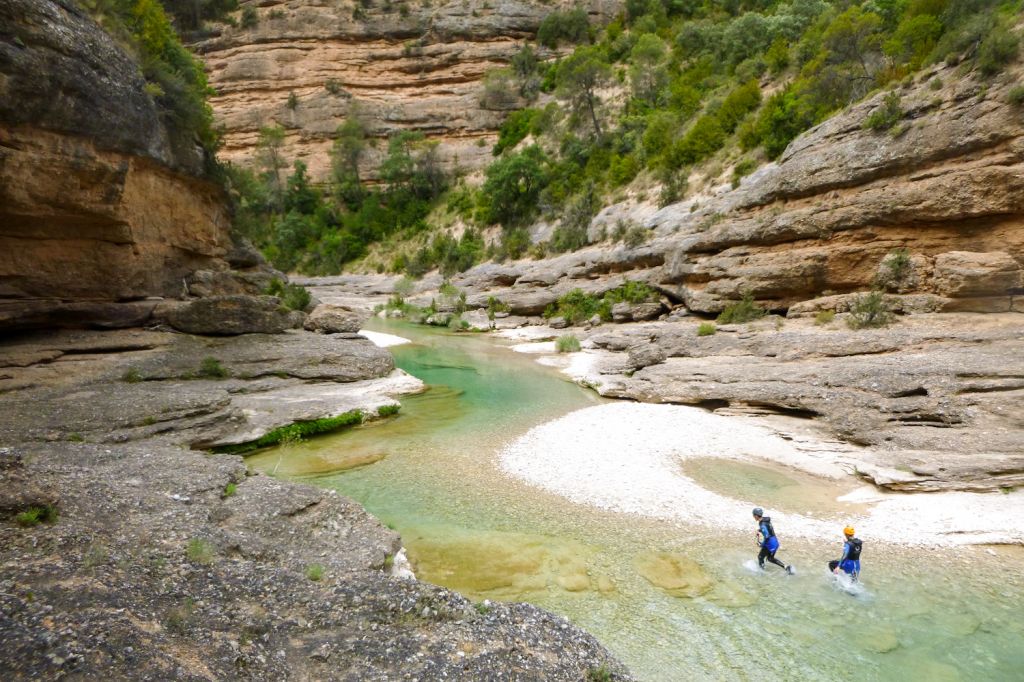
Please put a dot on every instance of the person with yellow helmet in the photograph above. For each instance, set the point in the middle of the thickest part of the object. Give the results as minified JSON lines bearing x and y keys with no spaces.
{"x":849,"y":563}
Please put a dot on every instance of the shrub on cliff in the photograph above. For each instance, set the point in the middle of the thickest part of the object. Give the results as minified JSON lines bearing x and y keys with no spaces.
{"x":869,"y":311}
{"x":570,"y":26}
{"x":887,"y":115}
{"x":177,"y":80}
{"x":577,"y":306}
{"x":744,"y":310}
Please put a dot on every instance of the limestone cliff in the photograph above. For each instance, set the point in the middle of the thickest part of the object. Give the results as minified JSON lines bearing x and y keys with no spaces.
{"x":946,"y":183}
{"x":100,"y":206}
{"x":415,"y":66}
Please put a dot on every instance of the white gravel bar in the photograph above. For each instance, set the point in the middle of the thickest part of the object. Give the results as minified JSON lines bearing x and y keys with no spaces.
{"x":382,"y":340}
{"x":626,"y":457}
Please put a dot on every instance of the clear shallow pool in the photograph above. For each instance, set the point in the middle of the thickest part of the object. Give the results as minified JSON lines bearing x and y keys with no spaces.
{"x":673,"y":602}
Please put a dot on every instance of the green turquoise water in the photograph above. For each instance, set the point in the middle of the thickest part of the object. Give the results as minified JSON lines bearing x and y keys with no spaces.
{"x":674,"y":602}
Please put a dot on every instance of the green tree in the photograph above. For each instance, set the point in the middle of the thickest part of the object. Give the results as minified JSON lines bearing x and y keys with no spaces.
{"x":346,"y":152}
{"x":271,"y":162}
{"x":512,"y":186}
{"x":572,"y":26}
{"x":299,"y":195}
{"x":579,"y":77}
{"x":853,"y":42}
{"x":647,"y":74}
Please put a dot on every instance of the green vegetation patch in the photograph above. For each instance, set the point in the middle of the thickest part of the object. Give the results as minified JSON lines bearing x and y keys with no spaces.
{"x":744,"y":310}
{"x":706,"y":329}
{"x":293,"y":296}
{"x":210,"y":368}
{"x":388,"y":410}
{"x":577,"y":306}
{"x":295,"y":432}
{"x":199,"y":551}
{"x":132,"y":376}
{"x":567,"y":343}
{"x":870,"y":311}
{"x":315,"y":572}
{"x":33,"y":516}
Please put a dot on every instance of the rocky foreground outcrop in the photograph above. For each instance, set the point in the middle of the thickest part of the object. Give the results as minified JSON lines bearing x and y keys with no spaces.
{"x":403,"y":66}
{"x":167,"y":562}
{"x":170,"y":564}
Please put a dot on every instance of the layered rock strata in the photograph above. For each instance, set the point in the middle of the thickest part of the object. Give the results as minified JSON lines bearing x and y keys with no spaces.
{"x":103,"y":207}
{"x":405,"y":66}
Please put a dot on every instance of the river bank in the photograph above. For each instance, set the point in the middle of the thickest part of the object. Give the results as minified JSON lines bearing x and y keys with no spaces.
{"x":126,"y":552}
{"x":642,"y":583}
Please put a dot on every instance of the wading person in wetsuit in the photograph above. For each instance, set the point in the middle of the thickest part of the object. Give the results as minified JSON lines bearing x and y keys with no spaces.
{"x":850,"y":561}
{"x":767,"y":541}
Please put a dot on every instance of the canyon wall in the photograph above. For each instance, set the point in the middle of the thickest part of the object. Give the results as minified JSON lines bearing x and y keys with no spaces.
{"x":931,"y":212}
{"x":101,"y":205}
{"x":945,"y":183}
{"x":416,"y":66}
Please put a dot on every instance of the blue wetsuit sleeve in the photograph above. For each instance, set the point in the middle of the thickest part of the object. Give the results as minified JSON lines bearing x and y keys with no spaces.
{"x":846,"y":551}
{"x":763,"y":529}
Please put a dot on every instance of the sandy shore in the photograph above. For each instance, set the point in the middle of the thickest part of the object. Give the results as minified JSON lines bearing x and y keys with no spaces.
{"x":628,"y":457}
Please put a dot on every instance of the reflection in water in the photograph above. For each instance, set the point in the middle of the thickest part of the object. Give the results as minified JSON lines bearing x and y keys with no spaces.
{"x":673,"y":601}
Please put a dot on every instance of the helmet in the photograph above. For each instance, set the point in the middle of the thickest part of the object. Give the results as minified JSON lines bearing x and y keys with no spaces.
{"x":848,"y":531}
{"x":758,"y":511}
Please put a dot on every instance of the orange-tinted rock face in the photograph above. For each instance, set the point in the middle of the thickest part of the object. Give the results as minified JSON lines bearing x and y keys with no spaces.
{"x":78,"y":223}
{"x":98,"y":204}
{"x":420,"y":68}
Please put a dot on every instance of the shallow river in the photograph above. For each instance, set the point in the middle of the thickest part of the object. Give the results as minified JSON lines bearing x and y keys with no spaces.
{"x":674,"y":602}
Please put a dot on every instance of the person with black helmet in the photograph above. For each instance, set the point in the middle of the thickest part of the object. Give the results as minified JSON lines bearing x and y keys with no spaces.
{"x":767,"y":541}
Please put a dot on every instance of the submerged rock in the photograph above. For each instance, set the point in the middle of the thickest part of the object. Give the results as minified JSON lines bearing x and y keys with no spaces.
{"x":676,"y":574}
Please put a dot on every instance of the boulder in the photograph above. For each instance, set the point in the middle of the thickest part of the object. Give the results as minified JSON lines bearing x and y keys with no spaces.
{"x":646,"y":311}
{"x":622,"y":312}
{"x":635,"y":312}
{"x":205,"y":283}
{"x":327,"y":318}
{"x":645,"y":355}
{"x":964,"y":274}
{"x":243,"y":254}
{"x":230,"y":315}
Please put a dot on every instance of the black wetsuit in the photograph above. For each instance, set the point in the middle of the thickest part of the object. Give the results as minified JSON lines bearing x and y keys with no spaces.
{"x":770,"y":543}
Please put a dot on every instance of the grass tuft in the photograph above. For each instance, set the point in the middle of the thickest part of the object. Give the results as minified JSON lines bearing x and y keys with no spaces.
{"x":706,"y":329}
{"x":567,"y":343}
{"x":388,"y":410}
{"x":315,"y":572}
{"x":199,"y":551}
{"x":294,"y":432}
{"x":33,"y":516}
{"x":212,"y":369}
